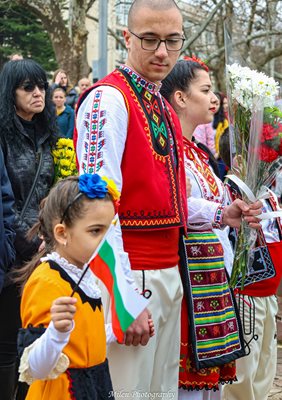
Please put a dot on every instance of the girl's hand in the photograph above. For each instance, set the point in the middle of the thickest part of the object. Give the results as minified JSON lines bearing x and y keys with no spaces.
{"x":62,"y":313}
{"x":151,"y":327}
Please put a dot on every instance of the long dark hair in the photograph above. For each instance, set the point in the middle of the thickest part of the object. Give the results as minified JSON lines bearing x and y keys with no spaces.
{"x":12,"y":76}
{"x":220,"y":115}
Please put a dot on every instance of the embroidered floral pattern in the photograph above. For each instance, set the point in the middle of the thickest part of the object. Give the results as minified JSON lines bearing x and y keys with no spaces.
{"x":95,"y":140}
{"x":140,"y":82}
{"x":197,"y":163}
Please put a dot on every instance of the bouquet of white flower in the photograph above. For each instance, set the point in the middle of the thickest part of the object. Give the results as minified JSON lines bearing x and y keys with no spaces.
{"x":256,"y":147}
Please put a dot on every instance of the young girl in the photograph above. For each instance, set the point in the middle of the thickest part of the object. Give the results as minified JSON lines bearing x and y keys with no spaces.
{"x":65,"y":114}
{"x":211,"y":338}
{"x":63,"y":343}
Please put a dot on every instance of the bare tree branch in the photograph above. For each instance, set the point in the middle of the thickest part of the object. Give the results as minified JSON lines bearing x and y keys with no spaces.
{"x":111,"y":32}
{"x":69,"y":39}
{"x":220,"y":51}
{"x":277,"y":76}
{"x":266,"y":57}
{"x":89,"y":4}
{"x":203,"y":26}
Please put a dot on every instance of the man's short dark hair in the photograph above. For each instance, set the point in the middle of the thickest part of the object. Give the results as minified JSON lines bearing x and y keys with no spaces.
{"x":152,"y":4}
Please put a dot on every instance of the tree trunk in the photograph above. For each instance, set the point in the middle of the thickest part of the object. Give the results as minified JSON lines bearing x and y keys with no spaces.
{"x":69,"y":43}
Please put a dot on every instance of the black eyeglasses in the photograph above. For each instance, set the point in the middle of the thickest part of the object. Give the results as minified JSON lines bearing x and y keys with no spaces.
{"x":152,"y":44}
{"x":30,"y":86}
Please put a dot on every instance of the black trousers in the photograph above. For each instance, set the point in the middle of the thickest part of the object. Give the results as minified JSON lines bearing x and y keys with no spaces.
{"x":10,"y":322}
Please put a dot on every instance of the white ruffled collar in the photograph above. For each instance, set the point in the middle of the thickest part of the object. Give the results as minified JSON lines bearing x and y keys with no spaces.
{"x":89,"y":281}
{"x":54,"y":256}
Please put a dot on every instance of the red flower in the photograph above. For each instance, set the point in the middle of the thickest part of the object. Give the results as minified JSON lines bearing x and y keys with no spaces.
{"x":268,"y":132}
{"x":280,"y":148}
{"x":197,"y":60}
{"x":268,"y":154}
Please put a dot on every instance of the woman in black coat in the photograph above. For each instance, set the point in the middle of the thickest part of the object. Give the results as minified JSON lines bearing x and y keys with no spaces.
{"x":27,"y":127}
{"x":7,"y":219}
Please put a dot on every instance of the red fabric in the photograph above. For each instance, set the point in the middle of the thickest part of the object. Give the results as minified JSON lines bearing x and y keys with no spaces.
{"x":154,"y":192}
{"x":269,"y":286}
{"x":206,"y":378}
{"x":152,"y":249}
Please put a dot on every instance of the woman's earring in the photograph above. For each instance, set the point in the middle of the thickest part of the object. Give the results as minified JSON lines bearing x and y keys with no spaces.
{"x":65,"y":243}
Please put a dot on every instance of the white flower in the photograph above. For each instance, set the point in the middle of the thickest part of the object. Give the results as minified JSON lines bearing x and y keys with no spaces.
{"x":248,"y":86}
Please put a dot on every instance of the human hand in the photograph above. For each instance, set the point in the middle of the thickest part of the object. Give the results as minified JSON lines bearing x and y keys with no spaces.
{"x":58,"y":78}
{"x":151,"y":327}
{"x":233,"y":214}
{"x":188,"y":187}
{"x":62,"y":313}
{"x":139,"y":331}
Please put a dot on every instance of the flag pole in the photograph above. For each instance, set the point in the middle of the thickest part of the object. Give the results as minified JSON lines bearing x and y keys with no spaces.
{"x":80,"y":279}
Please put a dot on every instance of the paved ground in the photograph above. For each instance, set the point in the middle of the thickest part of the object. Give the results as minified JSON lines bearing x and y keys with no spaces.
{"x":276,"y":392}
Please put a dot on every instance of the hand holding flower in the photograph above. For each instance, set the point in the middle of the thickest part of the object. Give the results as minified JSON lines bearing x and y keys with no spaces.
{"x":233,"y":214}
{"x":255,"y":142}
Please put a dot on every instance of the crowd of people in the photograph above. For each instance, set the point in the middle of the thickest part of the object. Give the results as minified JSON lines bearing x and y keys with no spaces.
{"x":152,"y":145}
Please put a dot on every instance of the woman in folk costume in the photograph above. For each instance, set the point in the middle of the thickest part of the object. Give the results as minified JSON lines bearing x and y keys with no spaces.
{"x":257,"y":302}
{"x":211,"y":337}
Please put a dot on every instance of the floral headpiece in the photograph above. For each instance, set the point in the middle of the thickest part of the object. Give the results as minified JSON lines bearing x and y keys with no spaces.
{"x":197,"y":60}
{"x":95,"y":187}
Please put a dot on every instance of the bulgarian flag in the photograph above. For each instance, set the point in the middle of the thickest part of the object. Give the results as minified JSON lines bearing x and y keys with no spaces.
{"x":126,"y":303}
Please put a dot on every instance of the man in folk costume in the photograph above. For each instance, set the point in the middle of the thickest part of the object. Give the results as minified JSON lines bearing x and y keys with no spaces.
{"x":127,"y":131}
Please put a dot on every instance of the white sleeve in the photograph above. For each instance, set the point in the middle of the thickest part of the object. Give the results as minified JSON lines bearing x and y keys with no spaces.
{"x":269,"y":226}
{"x":201,"y":213}
{"x":110,"y":336}
{"x":44,"y":356}
{"x":102,"y":122}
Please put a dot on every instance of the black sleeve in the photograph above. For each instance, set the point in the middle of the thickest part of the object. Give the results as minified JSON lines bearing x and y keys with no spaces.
{"x":27,"y":336}
{"x":7,"y":219}
{"x":25,"y":248}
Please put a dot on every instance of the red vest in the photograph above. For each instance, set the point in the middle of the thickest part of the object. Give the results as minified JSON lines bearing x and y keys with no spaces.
{"x":154,"y":189}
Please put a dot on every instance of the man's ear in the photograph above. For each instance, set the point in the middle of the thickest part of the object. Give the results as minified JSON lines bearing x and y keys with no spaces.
{"x":60,"y":234}
{"x":126,"y":36}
